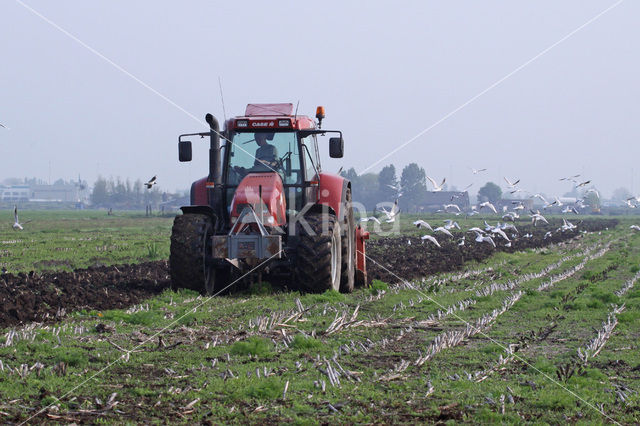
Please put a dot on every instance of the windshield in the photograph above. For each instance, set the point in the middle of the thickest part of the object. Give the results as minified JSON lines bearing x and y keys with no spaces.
{"x":264,"y":152}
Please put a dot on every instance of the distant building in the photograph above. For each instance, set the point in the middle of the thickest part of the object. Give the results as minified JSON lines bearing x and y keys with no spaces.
{"x":42,"y":193}
{"x":60,"y":192}
{"x":14,"y":193}
{"x":434,"y":201}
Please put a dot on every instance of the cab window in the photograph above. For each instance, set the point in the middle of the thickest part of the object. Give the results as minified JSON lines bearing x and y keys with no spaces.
{"x":310,"y":160}
{"x":264,"y":152}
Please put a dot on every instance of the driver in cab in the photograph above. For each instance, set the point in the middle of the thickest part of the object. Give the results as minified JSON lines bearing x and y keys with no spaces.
{"x":266,"y":154}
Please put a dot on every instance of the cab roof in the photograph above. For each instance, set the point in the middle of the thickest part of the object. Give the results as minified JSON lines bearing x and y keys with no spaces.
{"x":268,"y":110}
{"x":270,"y":117}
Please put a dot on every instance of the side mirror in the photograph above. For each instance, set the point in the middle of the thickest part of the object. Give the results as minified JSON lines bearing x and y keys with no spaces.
{"x":336,"y":147}
{"x":184,"y":151}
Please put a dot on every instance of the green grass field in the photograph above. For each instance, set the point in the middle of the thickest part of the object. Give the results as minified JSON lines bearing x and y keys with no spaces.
{"x":65,"y":240}
{"x":499,"y":343}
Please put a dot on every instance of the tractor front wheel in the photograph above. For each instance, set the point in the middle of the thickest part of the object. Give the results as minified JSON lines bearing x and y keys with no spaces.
{"x":319,"y":255}
{"x":190,"y":247}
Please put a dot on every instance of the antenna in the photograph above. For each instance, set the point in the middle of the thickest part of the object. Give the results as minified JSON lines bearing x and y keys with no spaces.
{"x":224,"y":112}
{"x":296,"y":114}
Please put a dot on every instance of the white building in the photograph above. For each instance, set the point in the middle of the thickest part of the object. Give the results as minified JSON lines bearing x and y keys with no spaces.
{"x":14,"y":193}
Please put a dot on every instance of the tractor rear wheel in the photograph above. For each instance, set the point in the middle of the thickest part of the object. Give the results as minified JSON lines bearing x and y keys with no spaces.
{"x":318,"y":261}
{"x":190,"y":247}
{"x":348,"y":247}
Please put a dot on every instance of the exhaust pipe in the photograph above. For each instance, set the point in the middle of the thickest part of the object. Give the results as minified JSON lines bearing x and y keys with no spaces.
{"x":215,"y":171}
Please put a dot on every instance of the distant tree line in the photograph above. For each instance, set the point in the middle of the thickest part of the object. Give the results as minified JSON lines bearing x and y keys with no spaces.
{"x":122,"y":194}
{"x":372,"y":188}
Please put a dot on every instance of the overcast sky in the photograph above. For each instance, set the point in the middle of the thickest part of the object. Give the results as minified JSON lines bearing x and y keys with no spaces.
{"x":385,"y":72}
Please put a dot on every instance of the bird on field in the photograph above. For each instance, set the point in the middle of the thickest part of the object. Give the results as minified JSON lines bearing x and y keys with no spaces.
{"x":391,"y":214}
{"x":461,"y":241}
{"x":475,"y":229}
{"x":422,"y":224}
{"x":476,"y":171}
{"x":508,"y":244}
{"x":546,"y":203}
{"x":436,"y":187}
{"x":570,"y":209}
{"x":635,"y":227}
{"x":488,"y":205}
{"x":506,"y":226}
{"x":567,"y":226}
{"x":497,"y":230}
{"x":151,"y":182}
{"x":511,"y":184}
{"x":449,"y":224}
{"x":443,"y":230}
{"x":3,"y":270}
{"x":547,"y":235}
{"x":541,"y":197}
{"x":452,"y":207}
{"x":430,"y":238}
{"x":527,"y":235}
{"x":536,"y":217}
{"x":370,"y":218}
{"x":484,"y":239}
{"x":511,"y":216}
{"x":17,"y":226}
{"x":519,"y":205}
{"x":408,"y":242}
{"x":581,"y":184}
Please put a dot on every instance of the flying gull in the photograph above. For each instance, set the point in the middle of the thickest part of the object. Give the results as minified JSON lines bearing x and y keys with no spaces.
{"x":151,"y":182}
{"x":436,"y":187}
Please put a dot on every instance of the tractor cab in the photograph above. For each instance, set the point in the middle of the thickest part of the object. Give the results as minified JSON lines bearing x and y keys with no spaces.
{"x":266,"y":205}
{"x":279,"y":144}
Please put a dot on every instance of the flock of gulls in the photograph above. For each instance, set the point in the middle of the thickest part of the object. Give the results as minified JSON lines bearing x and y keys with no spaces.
{"x":502,"y":231}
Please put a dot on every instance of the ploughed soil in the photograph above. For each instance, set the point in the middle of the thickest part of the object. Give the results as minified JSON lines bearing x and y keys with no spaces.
{"x":38,"y":297}
{"x":44,"y":296}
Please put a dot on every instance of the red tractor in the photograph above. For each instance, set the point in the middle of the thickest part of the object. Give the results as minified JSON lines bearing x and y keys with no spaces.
{"x":267,"y":207}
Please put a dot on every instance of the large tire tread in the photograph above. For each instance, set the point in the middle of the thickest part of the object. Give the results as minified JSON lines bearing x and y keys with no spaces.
{"x":313,"y":260}
{"x":186,"y":258}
